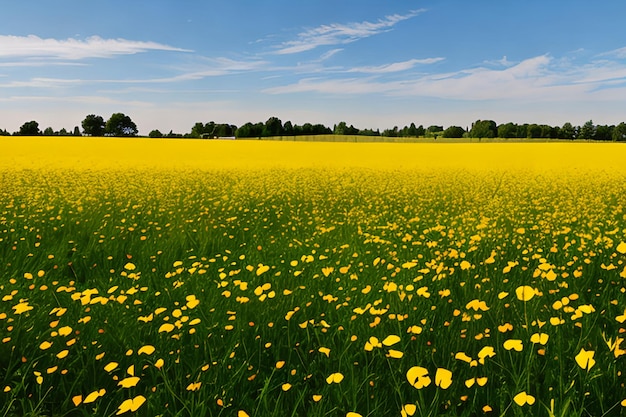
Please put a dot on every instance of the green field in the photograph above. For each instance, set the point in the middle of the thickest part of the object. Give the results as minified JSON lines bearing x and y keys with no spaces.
{"x":460,"y":289}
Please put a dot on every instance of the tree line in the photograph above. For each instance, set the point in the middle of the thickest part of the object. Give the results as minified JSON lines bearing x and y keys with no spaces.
{"x":120,"y":124}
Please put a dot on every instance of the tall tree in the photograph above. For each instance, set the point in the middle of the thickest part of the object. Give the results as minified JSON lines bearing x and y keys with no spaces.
{"x":120,"y":125}
{"x":273,"y":127}
{"x":587,"y":131}
{"x":567,"y":131}
{"x":483,"y":129}
{"x":30,"y":129}
{"x":507,"y":130}
{"x":619,"y":133}
{"x":454,"y":132}
{"x":93,"y":125}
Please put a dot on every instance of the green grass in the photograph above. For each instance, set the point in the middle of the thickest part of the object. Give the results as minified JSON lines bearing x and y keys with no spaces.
{"x":350,"y":255}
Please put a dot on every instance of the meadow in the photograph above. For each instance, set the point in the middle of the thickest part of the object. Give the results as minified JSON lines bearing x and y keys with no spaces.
{"x":258,"y":278}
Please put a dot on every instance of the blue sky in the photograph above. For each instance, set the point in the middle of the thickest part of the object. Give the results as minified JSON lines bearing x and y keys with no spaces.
{"x":374,"y":64}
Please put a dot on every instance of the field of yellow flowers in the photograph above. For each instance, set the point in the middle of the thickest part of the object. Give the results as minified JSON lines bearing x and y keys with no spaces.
{"x":253,"y":278}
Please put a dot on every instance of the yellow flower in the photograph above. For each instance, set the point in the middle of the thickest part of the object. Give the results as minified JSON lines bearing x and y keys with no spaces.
{"x":45,"y":345}
{"x":395,"y":354}
{"x":486,"y":352}
{"x":418,"y":377}
{"x":147,"y":349}
{"x":22,"y":307}
{"x":514,"y":344}
{"x":525,"y":292}
{"x":111,"y":366}
{"x":194,"y":386}
{"x":129,"y":382}
{"x":391,"y":340}
{"x":541,"y":338}
{"x":522,"y":399}
{"x":443,"y":378}
{"x":408,"y":410}
{"x":131,"y":405}
{"x":585,"y":360}
{"x":335,"y":378}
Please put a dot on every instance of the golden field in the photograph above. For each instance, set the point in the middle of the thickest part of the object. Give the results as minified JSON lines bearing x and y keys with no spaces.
{"x":261,"y":278}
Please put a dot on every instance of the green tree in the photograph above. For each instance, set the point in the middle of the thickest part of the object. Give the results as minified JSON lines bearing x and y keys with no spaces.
{"x":533,"y":131}
{"x":483,"y":129}
{"x":412,"y":130}
{"x":587,"y":131}
{"x":567,"y":131}
{"x":273,"y":127}
{"x":619,"y":133}
{"x":93,"y":125}
{"x":454,"y":132}
{"x":30,"y":129}
{"x":48,"y":131}
{"x":288,"y":128}
{"x":120,"y":125}
{"x":604,"y":132}
{"x":155,"y":134}
{"x":340,"y":128}
{"x":508,"y":130}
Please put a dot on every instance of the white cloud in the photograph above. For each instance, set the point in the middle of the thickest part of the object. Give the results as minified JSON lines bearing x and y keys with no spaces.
{"x":619,"y":53}
{"x":73,"y":49}
{"x":396,"y":66}
{"x":337,"y":33}
{"x":327,"y":55}
{"x":540,"y":78}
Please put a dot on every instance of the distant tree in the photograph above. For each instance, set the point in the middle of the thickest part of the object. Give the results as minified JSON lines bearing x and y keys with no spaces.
{"x":4,"y":133}
{"x":604,"y":132}
{"x":454,"y":132}
{"x":567,"y":131}
{"x":93,"y":125}
{"x":412,"y":131}
{"x":434,"y":129}
{"x":508,"y":130}
{"x":483,"y":129}
{"x":76,"y":131}
{"x":420,"y":131}
{"x":273,"y":127}
{"x":120,"y":125}
{"x":369,"y":132}
{"x":587,"y":131}
{"x":288,"y":128}
{"x":155,"y":134}
{"x":30,"y":129}
{"x":197,"y":130}
{"x":533,"y":131}
{"x":339,"y":128}
{"x":619,"y":133}
{"x":63,"y":132}
{"x":392,"y":133}
{"x":48,"y":131}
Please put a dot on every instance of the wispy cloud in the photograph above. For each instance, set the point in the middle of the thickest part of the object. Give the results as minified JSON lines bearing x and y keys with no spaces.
{"x":338,"y":33}
{"x":209,"y":67}
{"x":74,"y":49}
{"x":329,"y":54}
{"x":619,"y":53}
{"x":540,"y":78}
{"x":395,"y":67}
